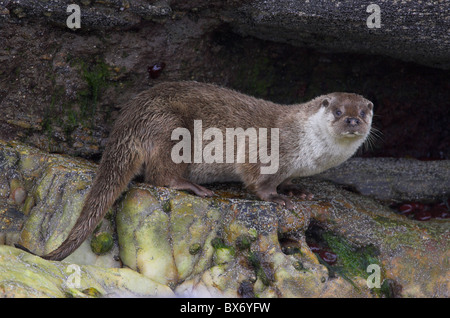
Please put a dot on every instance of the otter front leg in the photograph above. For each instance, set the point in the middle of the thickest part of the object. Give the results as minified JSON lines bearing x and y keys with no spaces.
{"x":291,"y":189}
{"x":265,"y":186}
{"x":270,"y":194}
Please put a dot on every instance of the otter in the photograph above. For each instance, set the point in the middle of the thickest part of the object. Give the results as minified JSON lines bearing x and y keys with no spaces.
{"x":312,"y":137}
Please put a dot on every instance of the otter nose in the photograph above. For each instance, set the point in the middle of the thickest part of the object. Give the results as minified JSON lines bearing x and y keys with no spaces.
{"x":352,"y":122}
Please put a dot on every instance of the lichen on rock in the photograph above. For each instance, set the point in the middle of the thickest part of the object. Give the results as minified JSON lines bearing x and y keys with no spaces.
{"x":25,"y":275}
{"x":171,"y":242}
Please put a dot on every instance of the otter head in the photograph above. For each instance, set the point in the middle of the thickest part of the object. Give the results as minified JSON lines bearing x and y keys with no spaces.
{"x":349,"y":116}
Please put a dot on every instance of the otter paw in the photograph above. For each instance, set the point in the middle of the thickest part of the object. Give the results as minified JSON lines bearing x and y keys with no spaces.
{"x":203,"y":192}
{"x":295,"y":190}
{"x":181,"y":184}
{"x":277,"y":198}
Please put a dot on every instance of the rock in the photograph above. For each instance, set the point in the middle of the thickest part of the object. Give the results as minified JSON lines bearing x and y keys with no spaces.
{"x":59,"y":184}
{"x":62,"y":88}
{"x":413,"y":256}
{"x":18,"y":193}
{"x":409,"y":30}
{"x":102,"y":243}
{"x":392,"y":179}
{"x":24,"y":275}
{"x":109,"y":15}
{"x":142,"y":228}
{"x":231,"y":245}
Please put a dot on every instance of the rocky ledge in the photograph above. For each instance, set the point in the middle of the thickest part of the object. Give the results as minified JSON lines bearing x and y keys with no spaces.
{"x":158,"y":242}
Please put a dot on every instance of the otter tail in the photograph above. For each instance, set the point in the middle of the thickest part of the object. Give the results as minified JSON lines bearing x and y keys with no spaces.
{"x":119,"y":164}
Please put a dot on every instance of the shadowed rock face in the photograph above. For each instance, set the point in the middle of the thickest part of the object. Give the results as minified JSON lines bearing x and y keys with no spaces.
{"x":61,"y":89}
{"x":409,"y":30}
{"x":231,"y":245}
{"x":394,"y":180}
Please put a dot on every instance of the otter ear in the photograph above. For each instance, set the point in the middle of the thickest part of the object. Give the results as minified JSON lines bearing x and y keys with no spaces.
{"x":325,"y":102}
{"x":370,"y":105}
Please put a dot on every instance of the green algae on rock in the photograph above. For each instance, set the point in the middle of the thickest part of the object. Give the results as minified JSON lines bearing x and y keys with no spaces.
{"x":195,"y":248}
{"x":231,"y":245}
{"x":56,"y":187}
{"x":143,"y":231}
{"x":412,"y":255}
{"x":101,"y":243}
{"x":25,"y":275}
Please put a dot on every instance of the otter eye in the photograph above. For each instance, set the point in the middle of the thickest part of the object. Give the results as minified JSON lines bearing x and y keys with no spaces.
{"x":338,"y":112}
{"x":362,"y":114}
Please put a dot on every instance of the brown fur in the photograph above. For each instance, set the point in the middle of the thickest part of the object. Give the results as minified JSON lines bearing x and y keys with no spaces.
{"x":140,"y":139}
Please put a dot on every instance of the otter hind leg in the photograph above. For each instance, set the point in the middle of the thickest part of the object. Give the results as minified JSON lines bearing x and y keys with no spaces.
{"x":171,"y":175}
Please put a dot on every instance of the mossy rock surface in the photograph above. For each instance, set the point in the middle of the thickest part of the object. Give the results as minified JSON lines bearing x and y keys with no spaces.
{"x":24,"y":275}
{"x":231,"y":245}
